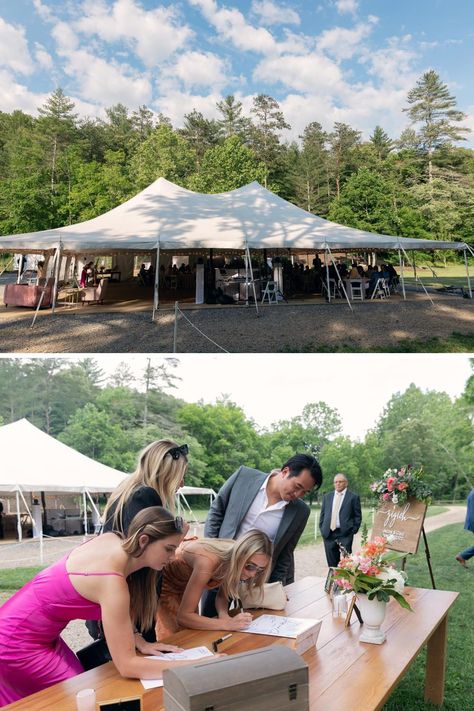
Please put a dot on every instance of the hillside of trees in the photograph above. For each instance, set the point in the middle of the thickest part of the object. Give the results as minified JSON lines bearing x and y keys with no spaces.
{"x":111,"y":418}
{"x":57,"y":168}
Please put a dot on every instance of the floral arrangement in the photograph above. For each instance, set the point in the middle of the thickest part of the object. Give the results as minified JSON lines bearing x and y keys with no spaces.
{"x":370,"y":572}
{"x":397,"y":485}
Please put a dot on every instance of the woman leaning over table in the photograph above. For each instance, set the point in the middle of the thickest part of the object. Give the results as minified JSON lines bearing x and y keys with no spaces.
{"x":206,"y":563}
{"x":90,"y":582}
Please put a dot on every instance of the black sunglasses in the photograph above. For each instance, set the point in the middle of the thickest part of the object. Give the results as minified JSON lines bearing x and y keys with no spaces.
{"x":179,"y":524}
{"x":176,"y":452}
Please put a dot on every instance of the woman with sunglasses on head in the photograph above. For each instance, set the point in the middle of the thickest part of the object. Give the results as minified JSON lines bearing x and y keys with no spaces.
{"x":207,"y":563}
{"x":159,"y":474}
{"x":94,"y":581}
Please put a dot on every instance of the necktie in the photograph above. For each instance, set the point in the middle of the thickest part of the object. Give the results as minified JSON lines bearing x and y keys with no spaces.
{"x":335,"y":511}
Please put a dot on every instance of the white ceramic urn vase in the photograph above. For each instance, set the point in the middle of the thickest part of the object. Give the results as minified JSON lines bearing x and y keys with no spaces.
{"x":373,"y":615}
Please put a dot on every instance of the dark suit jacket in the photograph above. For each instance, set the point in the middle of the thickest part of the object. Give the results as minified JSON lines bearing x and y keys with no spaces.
{"x":350,"y":514}
{"x":469,"y":523}
{"x":230,"y":507}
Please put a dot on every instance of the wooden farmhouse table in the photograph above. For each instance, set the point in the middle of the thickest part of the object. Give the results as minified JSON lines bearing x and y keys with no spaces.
{"x":343,"y":672}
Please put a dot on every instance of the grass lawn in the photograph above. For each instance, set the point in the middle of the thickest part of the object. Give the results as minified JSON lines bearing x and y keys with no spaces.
{"x":455,"y":343}
{"x":13,"y":578}
{"x":449,"y":575}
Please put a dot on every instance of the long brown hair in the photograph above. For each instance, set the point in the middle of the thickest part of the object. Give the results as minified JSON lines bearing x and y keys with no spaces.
{"x":155,"y":468}
{"x":157,"y":523}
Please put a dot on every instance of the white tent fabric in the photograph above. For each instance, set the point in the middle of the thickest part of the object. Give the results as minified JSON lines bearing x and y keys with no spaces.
{"x":50,"y":466}
{"x":173,"y":218}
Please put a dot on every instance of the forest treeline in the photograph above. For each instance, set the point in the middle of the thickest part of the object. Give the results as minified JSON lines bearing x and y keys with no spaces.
{"x":110,"y":418}
{"x":57,"y":168}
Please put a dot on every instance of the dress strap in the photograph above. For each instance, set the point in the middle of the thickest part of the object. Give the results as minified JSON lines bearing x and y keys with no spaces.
{"x":120,"y":575}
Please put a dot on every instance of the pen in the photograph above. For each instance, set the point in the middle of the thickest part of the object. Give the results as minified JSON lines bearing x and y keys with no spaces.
{"x":219,"y":641}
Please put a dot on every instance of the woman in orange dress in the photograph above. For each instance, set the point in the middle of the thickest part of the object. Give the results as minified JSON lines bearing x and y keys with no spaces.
{"x":205,"y":563}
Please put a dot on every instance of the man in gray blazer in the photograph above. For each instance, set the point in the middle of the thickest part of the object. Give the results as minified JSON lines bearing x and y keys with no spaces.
{"x":251,"y":499}
{"x":340,"y":519}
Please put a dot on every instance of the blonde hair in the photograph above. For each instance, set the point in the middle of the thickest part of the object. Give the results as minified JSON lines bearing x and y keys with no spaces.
{"x":157,"y":523}
{"x":156,"y":468}
{"x":233,"y":556}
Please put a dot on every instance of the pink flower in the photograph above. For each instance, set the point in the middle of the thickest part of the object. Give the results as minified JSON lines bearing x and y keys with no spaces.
{"x":403,"y":485}
{"x":386,"y":497}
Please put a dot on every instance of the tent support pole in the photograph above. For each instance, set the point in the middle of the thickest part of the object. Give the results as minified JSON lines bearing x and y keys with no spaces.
{"x":402,"y":274}
{"x":7,"y":265}
{"x":340,"y":280}
{"x":328,"y":285}
{"x":418,"y":280}
{"x":414,"y":263}
{"x":18,"y":518}
{"x":249,"y":262}
{"x":156,"y":296}
{"x":84,"y":504}
{"x":467,"y":274}
{"x":40,"y":301}
{"x":57,"y":265}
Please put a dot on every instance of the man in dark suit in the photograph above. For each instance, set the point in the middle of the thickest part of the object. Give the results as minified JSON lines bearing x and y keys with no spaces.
{"x":469,"y":526}
{"x":251,"y":499}
{"x":340,"y":519}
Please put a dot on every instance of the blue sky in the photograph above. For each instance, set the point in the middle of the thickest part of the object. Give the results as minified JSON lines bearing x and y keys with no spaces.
{"x":323,"y":60}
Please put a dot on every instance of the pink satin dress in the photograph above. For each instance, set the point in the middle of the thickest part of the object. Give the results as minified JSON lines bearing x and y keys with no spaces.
{"x":32,"y":654}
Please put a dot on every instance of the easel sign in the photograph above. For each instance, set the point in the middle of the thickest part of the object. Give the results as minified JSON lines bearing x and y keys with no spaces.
{"x":402,"y":525}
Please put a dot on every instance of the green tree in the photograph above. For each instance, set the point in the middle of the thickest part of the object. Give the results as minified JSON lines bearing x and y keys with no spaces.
{"x":226,"y":167}
{"x":232,"y":123}
{"x":164,"y":153}
{"x":228,"y":438}
{"x":200,"y":134}
{"x":432,"y":108}
{"x":310,"y":170}
{"x":265,"y":133}
{"x":342,"y":141}
{"x":381,"y":142}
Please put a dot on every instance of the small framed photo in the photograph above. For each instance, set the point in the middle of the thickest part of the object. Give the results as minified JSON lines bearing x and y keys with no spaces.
{"x":350,"y":610}
{"x":130,"y":704}
{"x":329,"y":581}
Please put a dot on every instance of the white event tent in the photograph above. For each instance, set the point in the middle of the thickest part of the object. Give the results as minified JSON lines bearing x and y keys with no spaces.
{"x":56,"y":468}
{"x":168,"y":217}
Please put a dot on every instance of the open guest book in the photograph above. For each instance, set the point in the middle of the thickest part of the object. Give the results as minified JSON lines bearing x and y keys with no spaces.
{"x":304,"y":632}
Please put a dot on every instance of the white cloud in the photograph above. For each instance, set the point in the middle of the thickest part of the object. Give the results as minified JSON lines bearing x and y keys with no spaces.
{"x":347,"y":6}
{"x":199,"y":69}
{"x":43,"y":10}
{"x":175,"y":104}
{"x":231,"y":25}
{"x":42,"y":57}
{"x":272,"y":14}
{"x":153,"y":35}
{"x":343,"y":43}
{"x":392,"y":65}
{"x":14,"y":96}
{"x":14,"y":52}
{"x":311,"y":73}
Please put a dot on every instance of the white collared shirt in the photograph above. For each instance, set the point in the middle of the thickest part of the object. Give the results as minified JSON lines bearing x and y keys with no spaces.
{"x":261,"y":516}
{"x":334,"y":501}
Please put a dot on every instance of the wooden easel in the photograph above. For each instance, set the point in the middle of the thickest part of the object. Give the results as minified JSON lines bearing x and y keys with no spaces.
{"x":428,"y":558}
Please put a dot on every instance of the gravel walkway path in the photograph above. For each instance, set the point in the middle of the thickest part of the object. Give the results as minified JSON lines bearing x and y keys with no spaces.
{"x":283,"y":327}
{"x":309,"y":560}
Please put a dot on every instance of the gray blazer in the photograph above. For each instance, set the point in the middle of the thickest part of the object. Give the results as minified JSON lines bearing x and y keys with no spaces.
{"x":230,"y":507}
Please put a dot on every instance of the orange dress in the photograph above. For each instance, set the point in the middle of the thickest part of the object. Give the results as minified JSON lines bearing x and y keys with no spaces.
{"x":174,"y":580}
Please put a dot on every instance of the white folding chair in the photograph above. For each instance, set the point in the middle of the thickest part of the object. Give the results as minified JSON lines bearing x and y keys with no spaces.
{"x":333,"y":292}
{"x":357,"y":290}
{"x":270,"y":292}
{"x":379,"y":291}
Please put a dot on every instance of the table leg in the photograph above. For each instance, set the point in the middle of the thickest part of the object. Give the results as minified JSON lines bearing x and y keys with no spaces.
{"x":436,"y":663}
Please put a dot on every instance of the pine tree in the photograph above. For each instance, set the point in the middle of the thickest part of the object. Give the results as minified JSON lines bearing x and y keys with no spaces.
{"x":432,"y":106}
{"x":381,"y":142}
{"x":58,"y":124}
{"x":232,"y":122}
{"x":265,"y":132}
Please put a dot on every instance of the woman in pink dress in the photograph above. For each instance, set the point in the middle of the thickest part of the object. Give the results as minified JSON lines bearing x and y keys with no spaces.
{"x":206,"y":563}
{"x":97,"y":580}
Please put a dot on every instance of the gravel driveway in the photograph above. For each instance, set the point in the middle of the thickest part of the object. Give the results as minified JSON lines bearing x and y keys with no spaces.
{"x":282,"y":327}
